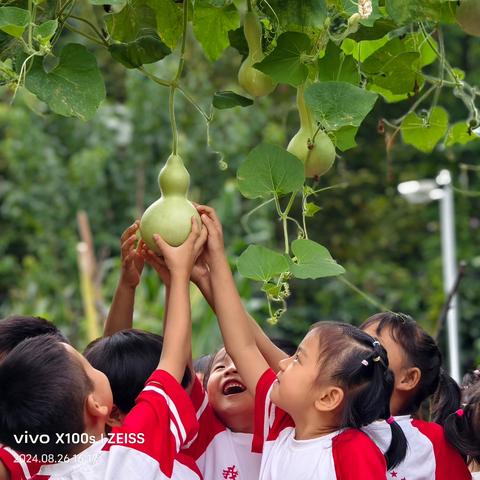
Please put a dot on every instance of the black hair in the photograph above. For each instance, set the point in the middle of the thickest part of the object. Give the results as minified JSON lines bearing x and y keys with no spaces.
{"x":208,"y":369}
{"x":422,"y":352}
{"x":16,"y":328}
{"x":470,"y":379}
{"x":128,"y":358}
{"x":43,"y":392}
{"x":360,"y":366}
{"x":201,"y":364}
{"x":462,"y":428}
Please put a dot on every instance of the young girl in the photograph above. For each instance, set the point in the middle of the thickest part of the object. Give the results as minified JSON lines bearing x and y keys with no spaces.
{"x":338,"y":379}
{"x":416,"y":362}
{"x":223,"y":445}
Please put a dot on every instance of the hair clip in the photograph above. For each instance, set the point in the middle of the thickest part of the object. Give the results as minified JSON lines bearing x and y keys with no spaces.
{"x":460,"y":412}
{"x":365,"y":363}
{"x":376,"y":343}
{"x":376,"y":359}
{"x":390,"y":420}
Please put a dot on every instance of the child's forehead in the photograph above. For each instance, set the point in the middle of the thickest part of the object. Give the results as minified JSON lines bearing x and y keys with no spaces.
{"x":221,"y":356}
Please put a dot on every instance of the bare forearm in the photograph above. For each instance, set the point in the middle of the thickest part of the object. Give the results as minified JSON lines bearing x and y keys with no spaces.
{"x":120,"y":315}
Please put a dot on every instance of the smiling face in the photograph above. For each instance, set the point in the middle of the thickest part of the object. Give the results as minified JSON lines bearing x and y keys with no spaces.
{"x":228,"y":396}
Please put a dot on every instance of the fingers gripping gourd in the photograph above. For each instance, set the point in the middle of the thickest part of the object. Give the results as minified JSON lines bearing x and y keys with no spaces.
{"x":468,"y":16}
{"x":253,"y":81}
{"x":171,"y":215}
{"x":314,"y":149}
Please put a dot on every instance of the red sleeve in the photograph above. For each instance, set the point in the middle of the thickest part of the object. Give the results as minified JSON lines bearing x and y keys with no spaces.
{"x":209,"y":425}
{"x":449,"y":463}
{"x":17,"y":465}
{"x":269,"y":419}
{"x":162,"y":420}
{"x":356,"y":456}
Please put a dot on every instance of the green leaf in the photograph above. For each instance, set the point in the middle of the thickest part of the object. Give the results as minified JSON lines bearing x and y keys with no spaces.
{"x":169,"y":17}
{"x":270,"y":170}
{"x":304,"y":13}
{"x":336,"y":65}
{"x":460,"y":133}
{"x":285,"y":63}
{"x":380,"y":28}
{"x":44,"y":32}
{"x":313,"y":260}
{"x":238,"y":41}
{"x":74,"y":88}
{"x":261,"y":264}
{"x":344,"y":138}
{"x":14,"y":20}
{"x":311,"y":209}
{"x":338,"y":104}
{"x":406,"y":11}
{"x":211,"y":26}
{"x":108,"y":2}
{"x":227,"y":99}
{"x":425,"y":133}
{"x":143,"y":50}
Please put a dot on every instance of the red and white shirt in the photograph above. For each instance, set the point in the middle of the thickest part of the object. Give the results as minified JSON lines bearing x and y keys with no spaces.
{"x":429,"y":455}
{"x":19,"y":466}
{"x":220,"y":453}
{"x":342,"y":455}
{"x":163,"y":417}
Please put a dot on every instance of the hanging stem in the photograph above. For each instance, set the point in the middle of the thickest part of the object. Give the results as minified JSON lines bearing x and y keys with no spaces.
{"x":92,"y":26}
{"x":364,"y":295}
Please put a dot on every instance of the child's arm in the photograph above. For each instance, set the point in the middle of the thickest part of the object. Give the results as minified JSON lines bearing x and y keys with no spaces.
{"x":120,"y":315}
{"x":233,"y":320}
{"x":177,"y":334}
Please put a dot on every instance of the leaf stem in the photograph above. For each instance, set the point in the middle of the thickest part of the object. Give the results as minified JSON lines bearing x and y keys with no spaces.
{"x":364,"y":295}
{"x":92,"y":26}
{"x":153,"y":77}
{"x":195,"y":104}
{"x":83,"y":34}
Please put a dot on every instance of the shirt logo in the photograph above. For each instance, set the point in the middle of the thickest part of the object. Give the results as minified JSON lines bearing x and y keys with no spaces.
{"x":230,"y":473}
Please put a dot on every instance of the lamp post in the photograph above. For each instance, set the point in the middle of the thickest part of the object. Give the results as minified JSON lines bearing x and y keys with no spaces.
{"x":423,"y":191}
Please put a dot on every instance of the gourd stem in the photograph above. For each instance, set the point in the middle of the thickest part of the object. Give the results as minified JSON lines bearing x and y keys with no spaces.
{"x":303,"y":111}
{"x":173,"y":123}
{"x":249,"y":5}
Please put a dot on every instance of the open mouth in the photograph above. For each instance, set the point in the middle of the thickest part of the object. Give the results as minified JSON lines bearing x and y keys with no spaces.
{"x":233,"y":387}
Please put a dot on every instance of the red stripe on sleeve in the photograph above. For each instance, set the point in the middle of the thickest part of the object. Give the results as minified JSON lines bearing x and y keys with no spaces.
{"x":261,"y":429}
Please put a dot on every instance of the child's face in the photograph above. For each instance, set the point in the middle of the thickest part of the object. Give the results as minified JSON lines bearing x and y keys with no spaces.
{"x":298,"y":378}
{"x":227,"y":394}
{"x":102,"y":391}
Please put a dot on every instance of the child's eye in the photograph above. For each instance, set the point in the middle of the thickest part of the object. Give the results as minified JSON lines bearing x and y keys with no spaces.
{"x":219,"y":367}
{"x":295,"y":357}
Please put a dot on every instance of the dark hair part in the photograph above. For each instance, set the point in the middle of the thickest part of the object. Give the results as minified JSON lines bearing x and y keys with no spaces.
{"x":128,"y":358}
{"x":462,"y":428}
{"x":360,"y":366}
{"x":43,"y":392}
{"x":16,"y":328}
{"x":422,"y":352}
{"x":208,"y":369}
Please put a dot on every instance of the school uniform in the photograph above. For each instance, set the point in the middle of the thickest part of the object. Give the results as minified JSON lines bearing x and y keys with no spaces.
{"x":18,"y":465}
{"x":163,"y":417}
{"x":346,"y":454}
{"x":429,"y":455}
{"x":219,"y":452}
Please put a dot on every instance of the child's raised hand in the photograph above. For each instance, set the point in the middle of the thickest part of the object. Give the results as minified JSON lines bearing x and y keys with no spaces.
{"x":180,"y":260}
{"x":158,"y":263}
{"x":214,"y":246}
{"x":132,"y":260}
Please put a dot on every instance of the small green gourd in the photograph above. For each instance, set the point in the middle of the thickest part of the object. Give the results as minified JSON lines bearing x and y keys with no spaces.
{"x":170,"y":216}
{"x":317,"y":155}
{"x":253,"y":81}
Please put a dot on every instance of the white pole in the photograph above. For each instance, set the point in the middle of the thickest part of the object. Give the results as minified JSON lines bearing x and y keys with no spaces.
{"x":447,"y":221}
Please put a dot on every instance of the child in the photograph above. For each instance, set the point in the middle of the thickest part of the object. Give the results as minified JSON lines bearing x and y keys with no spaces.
{"x":416,"y":362}
{"x":51,"y":392}
{"x":13,"y":330}
{"x":338,"y":379}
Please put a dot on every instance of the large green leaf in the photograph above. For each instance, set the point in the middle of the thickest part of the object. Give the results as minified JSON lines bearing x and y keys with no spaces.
{"x":44,"y":32}
{"x":74,"y":88}
{"x":14,"y":20}
{"x":304,"y":13}
{"x":460,"y":133}
{"x":313,"y":260}
{"x":379,"y":29}
{"x":226,"y":99}
{"x":425,"y":133}
{"x":285,"y":63}
{"x":169,"y":20}
{"x":211,"y":26}
{"x":344,"y":138}
{"x":270,"y":170}
{"x":338,"y":104}
{"x":261,"y":264}
{"x":406,"y":11}
{"x":143,"y":50}
{"x":336,"y":65}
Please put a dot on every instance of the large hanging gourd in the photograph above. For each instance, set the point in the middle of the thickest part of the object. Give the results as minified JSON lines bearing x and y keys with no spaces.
{"x":314,"y":148}
{"x":253,"y":81}
{"x":170,"y":216}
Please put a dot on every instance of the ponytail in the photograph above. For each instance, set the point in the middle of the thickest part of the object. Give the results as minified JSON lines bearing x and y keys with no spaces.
{"x":446,"y":399}
{"x":397,"y":450}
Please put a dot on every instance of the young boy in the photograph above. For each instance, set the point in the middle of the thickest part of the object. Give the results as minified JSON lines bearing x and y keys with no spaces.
{"x":55,"y":404}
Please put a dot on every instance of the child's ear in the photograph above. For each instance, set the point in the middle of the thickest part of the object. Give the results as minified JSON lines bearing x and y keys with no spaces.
{"x":409,"y":379}
{"x":329,"y":399}
{"x":115,"y":418}
{"x":95,"y":409}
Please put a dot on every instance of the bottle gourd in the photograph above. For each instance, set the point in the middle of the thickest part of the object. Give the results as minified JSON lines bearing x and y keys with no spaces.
{"x":316,"y":154}
{"x":253,"y":81}
{"x":170,"y":216}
